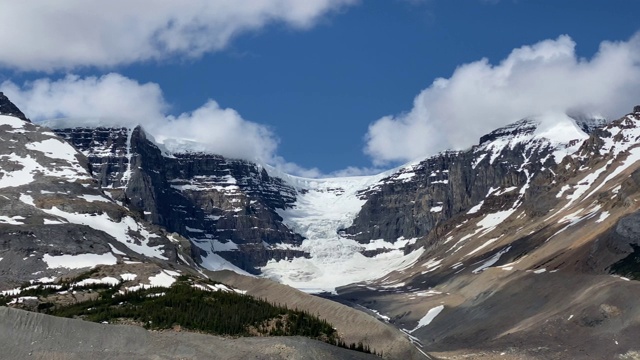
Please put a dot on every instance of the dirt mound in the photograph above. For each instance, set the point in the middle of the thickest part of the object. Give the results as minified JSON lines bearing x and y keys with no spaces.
{"x":36,"y":336}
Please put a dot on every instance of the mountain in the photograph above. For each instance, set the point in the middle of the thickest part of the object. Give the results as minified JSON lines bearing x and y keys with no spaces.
{"x":522,"y":246}
{"x":75,"y":230}
{"x":534,"y":253}
{"x":55,"y":217}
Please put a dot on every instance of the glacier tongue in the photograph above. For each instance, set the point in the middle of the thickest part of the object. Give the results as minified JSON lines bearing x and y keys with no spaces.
{"x":323,"y":207}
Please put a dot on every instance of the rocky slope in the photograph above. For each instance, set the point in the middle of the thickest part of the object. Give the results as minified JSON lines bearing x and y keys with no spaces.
{"x":221,"y":205}
{"x":63,"y":213}
{"x":36,"y":336}
{"x":531,"y":268}
{"x":523,"y":246}
{"x":55,"y":218}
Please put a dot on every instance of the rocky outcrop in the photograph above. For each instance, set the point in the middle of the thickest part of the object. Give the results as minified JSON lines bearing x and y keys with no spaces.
{"x":411,"y":202}
{"x":222,"y":205}
{"x":8,"y":108}
{"x":53,"y":213}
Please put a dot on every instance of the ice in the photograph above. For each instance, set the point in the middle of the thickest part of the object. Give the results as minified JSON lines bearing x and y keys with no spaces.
{"x":431,"y":265}
{"x":18,"y":177}
{"x":105,"y":280}
{"x":163,"y":279}
{"x":425,"y":293}
{"x":504,"y":191}
{"x":323,"y":207}
{"x":93,"y":198}
{"x":603,"y":216}
{"x":215,"y":262}
{"x":494,"y":259}
{"x":215,"y":287}
{"x":632,"y":158}
{"x":128,"y":277}
{"x":555,"y":132}
{"x":561,"y":131}
{"x":476,"y":208}
{"x":224,"y":246}
{"x":487,"y":243}
{"x":126,"y":176}
{"x":324,"y":272}
{"x":14,"y":220}
{"x":379,"y":315}
{"x":52,"y":222}
{"x":491,"y":221}
{"x":119,"y":230}
{"x":55,"y":149}
{"x":377,"y":244}
{"x":428,"y":318}
{"x":22,"y":299}
{"x":12,"y":122}
{"x":79,"y":261}
{"x":406,"y":176}
{"x":562,"y":190}
{"x":116,"y":251}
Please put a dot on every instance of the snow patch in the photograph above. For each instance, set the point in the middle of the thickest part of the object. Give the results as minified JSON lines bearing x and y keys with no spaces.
{"x":603,"y":216}
{"x":428,"y":318}
{"x":14,"y":220}
{"x":79,"y":261}
{"x":494,"y":259}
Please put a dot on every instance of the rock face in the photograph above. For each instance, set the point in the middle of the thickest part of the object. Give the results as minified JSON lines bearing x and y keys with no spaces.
{"x":412,"y":201}
{"x":8,"y":108}
{"x":544,"y":264}
{"x":54,"y":214}
{"x":225,"y":207}
{"x":64,"y":214}
{"x":525,"y":244}
{"x":235,"y":209}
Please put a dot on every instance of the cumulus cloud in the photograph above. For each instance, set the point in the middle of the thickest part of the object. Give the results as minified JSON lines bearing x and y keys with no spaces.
{"x":115,"y":100}
{"x":545,"y":77}
{"x":63,"y":34}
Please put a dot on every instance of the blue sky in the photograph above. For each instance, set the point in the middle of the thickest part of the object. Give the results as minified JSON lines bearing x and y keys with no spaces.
{"x":314,"y":84}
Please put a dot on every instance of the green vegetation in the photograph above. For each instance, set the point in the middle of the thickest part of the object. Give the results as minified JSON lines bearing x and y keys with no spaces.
{"x":629,"y":266}
{"x":190,"y":308}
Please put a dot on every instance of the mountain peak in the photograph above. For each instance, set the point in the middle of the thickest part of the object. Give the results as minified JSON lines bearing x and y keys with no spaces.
{"x":8,"y":108}
{"x":636,"y":109}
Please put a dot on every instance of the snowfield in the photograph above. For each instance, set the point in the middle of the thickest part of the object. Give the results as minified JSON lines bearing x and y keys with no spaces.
{"x":321,"y":210}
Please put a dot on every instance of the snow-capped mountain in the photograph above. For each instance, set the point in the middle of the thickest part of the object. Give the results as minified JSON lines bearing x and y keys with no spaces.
{"x":315,"y":234}
{"x":523,"y":245}
{"x":55,"y":217}
{"x":542,"y":255}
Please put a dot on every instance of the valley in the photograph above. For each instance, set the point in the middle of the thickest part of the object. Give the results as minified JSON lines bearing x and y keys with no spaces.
{"x":520,"y":247}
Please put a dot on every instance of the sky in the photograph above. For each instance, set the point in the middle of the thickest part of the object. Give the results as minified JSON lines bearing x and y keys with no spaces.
{"x":318,"y":87}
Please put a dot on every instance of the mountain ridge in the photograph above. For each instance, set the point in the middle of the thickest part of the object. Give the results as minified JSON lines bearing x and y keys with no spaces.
{"x":514,"y":237}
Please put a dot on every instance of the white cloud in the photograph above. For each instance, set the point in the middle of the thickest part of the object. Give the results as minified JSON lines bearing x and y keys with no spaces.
{"x":63,"y":34}
{"x":479,"y":97}
{"x":114,"y":100}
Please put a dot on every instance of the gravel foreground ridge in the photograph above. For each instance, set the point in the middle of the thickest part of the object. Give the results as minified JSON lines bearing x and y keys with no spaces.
{"x":28,"y":335}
